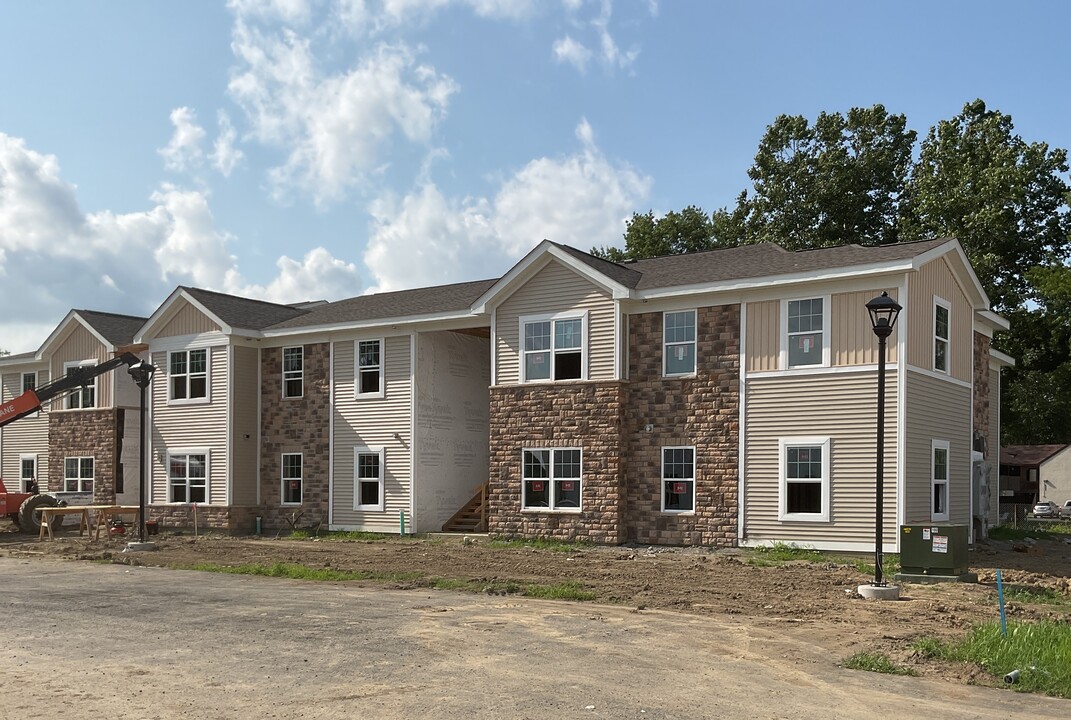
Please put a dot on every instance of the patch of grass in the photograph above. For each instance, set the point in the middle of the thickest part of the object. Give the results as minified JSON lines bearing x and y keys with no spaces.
{"x":538,"y":544}
{"x":341,"y":535}
{"x":1036,"y":595}
{"x":561,"y":591}
{"x":928,"y":647}
{"x":303,"y":572}
{"x":1039,"y":651}
{"x":780,"y":553}
{"x":890,"y":565}
{"x":1032,"y":528}
{"x":876,"y":662}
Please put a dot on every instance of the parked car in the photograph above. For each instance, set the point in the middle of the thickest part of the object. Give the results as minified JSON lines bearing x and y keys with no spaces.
{"x":1046,"y":509}
{"x":1065,"y":509}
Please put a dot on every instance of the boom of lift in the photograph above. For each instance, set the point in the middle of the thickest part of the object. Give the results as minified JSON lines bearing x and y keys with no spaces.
{"x":32,"y":400}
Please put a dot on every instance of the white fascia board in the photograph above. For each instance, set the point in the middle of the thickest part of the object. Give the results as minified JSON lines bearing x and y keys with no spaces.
{"x":163,"y":312}
{"x":36,"y":361}
{"x":996,"y":357}
{"x":427,"y":323}
{"x":72,"y":316}
{"x":536,"y":260}
{"x":996,"y":322}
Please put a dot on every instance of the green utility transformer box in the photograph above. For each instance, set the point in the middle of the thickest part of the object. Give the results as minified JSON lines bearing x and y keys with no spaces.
{"x":936,"y":550}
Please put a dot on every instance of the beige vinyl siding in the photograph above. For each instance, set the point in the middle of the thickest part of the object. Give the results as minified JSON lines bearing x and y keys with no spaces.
{"x":188,"y":320}
{"x":78,"y":346}
{"x":373,"y":422}
{"x":191,"y":426}
{"x":936,"y":410}
{"x":245,"y":393}
{"x":842,"y":407}
{"x":763,"y":335}
{"x":556,"y":289}
{"x":936,"y":279}
{"x":28,"y":436}
{"x":852,"y":339}
{"x":993,"y":446}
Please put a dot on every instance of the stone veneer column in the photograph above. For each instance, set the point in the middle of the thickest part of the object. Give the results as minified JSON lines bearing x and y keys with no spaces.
{"x":295,"y":425}
{"x":981,"y":389}
{"x":703,"y":411}
{"x":587,"y":415}
{"x":86,"y":433}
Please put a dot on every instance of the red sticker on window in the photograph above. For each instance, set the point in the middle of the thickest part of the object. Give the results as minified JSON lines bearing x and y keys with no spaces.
{"x":293,"y":484}
{"x":537,"y":487}
{"x":680,"y":488}
{"x":568,"y":486}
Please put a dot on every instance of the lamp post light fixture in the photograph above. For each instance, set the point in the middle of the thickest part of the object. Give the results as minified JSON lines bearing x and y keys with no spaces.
{"x":142,"y":373}
{"x":883,"y":313}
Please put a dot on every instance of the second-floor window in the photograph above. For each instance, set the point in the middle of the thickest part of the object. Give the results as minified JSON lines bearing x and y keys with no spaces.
{"x":85,"y":397}
{"x":293,"y":372}
{"x":940,"y":335}
{"x":553,"y":349}
{"x":678,"y":343}
{"x":188,"y":374}
{"x":806,"y":342}
{"x":29,"y":381}
{"x":370,"y":368}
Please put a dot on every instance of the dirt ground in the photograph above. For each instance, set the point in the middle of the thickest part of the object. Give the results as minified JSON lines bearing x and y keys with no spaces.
{"x":800,"y":599}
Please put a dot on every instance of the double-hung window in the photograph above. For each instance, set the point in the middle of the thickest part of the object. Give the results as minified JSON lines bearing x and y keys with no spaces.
{"x":805,"y":332}
{"x":553,"y":349}
{"x":86,"y":396}
{"x":293,"y":372}
{"x":804,"y":482}
{"x":78,"y":474}
{"x":369,"y":368}
{"x":291,"y":466}
{"x":29,"y":381}
{"x":368,"y":480}
{"x":27,"y":471}
{"x":941,"y":334}
{"x":188,"y":375}
{"x":678,"y":479}
{"x":939,"y":452}
{"x":187,"y":477}
{"x":678,"y":343}
{"x":552,"y":479}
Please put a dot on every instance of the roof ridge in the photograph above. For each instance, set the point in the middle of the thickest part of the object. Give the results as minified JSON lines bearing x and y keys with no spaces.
{"x":111,"y":314}
{"x":237,"y":297}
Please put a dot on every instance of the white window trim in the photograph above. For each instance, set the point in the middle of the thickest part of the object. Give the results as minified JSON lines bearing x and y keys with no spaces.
{"x":782,"y":494}
{"x":551,"y":479}
{"x":523,"y":320}
{"x":79,"y":479}
{"x":936,"y":445}
{"x":208,"y":378}
{"x":208,"y":474}
{"x":371,"y":450}
{"x":300,"y":373}
{"x":941,"y":302}
{"x":694,"y":343}
{"x":283,"y":479}
{"x":95,"y":384}
{"x":22,"y":380}
{"x":36,"y":468}
{"x":826,"y":310}
{"x":663,"y":479}
{"x":357,"y":370}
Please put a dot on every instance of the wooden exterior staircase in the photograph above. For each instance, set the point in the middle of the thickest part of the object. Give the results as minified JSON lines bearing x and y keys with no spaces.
{"x":472,"y":517}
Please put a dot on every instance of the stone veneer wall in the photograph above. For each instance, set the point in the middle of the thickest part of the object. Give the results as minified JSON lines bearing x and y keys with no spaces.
{"x":981,"y":389}
{"x":703,"y":411}
{"x":234,"y":520}
{"x":586,"y":415}
{"x":295,"y":425}
{"x":86,"y":433}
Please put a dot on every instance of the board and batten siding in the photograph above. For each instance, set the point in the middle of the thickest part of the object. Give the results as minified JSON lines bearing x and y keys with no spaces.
{"x":842,"y":407}
{"x":852,"y":339}
{"x":555,"y":289}
{"x":79,"y":346}
{"x":936,"y":410}
{"x":936,"y":279}
{"x":187,"y":320}
{"x":373,"y":422}
{"x":191,"y":426}
{"x":26,"y":436}
{"x":763,"y":335}
{"x":245,"y":394}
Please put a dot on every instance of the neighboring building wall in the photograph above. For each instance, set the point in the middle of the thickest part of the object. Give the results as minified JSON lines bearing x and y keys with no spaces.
{"x":187,"y":320}
{"x":555,"y":289}
{"x":936,"y":279}
{"x":244,"y":387}
{"x":28,"y":435}
{"x":701,"y":411}
{"x":295,"y":425}
{"x":993,"y":445}
{"x":452,"y":424}
{"x":86,"y":433}
{"x":373,"y":422}
{"x":585,"y":415}
{"x":842,"y":407}
{"x":1056,"y":477}
{"x":81,"y":345}
{"x":936,"y":410}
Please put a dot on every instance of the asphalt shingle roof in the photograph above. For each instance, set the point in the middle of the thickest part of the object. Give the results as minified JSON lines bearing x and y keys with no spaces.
{"x":240,"y":312}
{"x":116,"y":329}
{"x":1028,"y":454}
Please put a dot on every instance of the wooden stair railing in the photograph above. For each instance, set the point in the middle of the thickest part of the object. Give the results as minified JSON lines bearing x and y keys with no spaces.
{"x":472,"y":517}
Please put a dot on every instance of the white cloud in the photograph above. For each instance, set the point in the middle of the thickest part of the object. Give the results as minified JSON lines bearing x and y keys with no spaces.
{"x":183,"y":152}
{"x":225,"y":156}
{"x":318,"y":276}
{"x":294,"y":12}
{"x":569,"y":50}
{"x":426,"y":238}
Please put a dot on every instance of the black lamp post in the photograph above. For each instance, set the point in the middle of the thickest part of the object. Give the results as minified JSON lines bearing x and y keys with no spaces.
{"x":142,"y":373}
{"x":883,"y":312}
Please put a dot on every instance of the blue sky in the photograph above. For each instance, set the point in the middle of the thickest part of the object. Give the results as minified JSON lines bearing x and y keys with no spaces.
{"x":306,"y":149}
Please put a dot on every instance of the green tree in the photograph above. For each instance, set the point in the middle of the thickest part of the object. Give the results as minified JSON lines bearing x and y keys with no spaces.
{"x":689,"y":230}
{"x":1004,"y":199}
